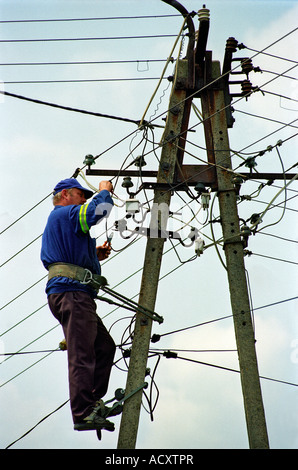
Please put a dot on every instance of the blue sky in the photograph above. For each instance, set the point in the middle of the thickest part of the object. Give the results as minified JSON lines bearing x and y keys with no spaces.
{"x":198,"y":406}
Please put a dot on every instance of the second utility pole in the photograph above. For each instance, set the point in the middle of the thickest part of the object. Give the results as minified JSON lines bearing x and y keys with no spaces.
{"x":214,"y":113}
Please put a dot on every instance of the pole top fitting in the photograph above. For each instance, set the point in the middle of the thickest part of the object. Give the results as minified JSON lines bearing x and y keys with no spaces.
{"x":204,"y":14}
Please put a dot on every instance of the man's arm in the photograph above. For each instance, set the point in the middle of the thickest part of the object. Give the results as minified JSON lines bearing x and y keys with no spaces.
{"x":97,"y":209}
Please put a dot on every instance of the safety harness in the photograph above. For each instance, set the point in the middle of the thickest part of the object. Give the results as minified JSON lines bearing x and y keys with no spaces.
{"x":96,"y":282}
{"x":77,"y":273}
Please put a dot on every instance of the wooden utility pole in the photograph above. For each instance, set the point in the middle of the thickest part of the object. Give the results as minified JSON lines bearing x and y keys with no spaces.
{"x":177,"y":121}
{"x":214,"y":113}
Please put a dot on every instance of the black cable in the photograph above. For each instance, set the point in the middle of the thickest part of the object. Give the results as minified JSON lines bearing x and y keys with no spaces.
{"x":21,"y":321}
{"x":67,"y":108}
{"x":153,"y":383}
{"x":27,"y":212}
{"x":272,"y":55}
{"x":265,"y":118}
{"x":24,"y":291}
{"x":27,"y":368}
{"x":19,"y":353}
{"x":88,"y":19}
{"x":85,"y":62}
{"x":271,"y":257}
{"x":193,"y":350}
{"x":279,"y":95}
{"x":20,"y":251}
{"x":156,"y":36}
{"x":279,"y":237}
{"x":28,"y":82}
{"x":156,"y":338}
{"x":39,"y":422}
{"x":232,"y":370}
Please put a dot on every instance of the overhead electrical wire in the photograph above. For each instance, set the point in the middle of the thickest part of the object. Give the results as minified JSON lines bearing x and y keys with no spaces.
{"x":85,"y":62}
{"x":104,"y":18}
{"x":252,"y":253}
{"x":82,"y":80}
{"x":68,"y":108}
{"x":272,"y":55}
{"x":155,"y":36}
{"x":37,"y":424}
{"x":279,"y":237}
{"x":231,"y":370}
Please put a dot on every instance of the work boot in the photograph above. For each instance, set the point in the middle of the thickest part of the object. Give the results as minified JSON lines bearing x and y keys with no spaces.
{"x":94,"y":422}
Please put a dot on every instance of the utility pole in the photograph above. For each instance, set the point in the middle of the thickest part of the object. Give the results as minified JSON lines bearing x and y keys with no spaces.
{"x":173,"y":143}
{"x":214,"y":112}
{"x":177,"y":120}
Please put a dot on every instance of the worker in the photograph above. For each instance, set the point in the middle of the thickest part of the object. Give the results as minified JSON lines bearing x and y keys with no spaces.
{"x":70,"y":255}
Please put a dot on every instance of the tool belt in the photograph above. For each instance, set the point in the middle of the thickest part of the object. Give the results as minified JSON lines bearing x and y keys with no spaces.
{"x":77,"y":273}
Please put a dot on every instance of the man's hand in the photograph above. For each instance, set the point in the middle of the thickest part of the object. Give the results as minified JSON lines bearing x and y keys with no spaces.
{"x":103,"y":251}
{"x":106,"y":185}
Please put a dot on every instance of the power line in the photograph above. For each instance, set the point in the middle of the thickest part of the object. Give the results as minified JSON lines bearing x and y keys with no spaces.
{"x":279,"y":237}
{"x":231,"y":370}
{"x":66,"y":108}
{"x":272,"y":55}
{"x":88,"y":19}
{"x":249,"y":253}
{"x":27,"y":368}
{"x":21,"y":250}
{"x":85,"y":62}
{"x":20,"y":353}
{"x":156,"y":36}
{"x":27,"y":212}
{"x":43,"y":419}
{"x":21,"y":321}
{"x":18,"y":82}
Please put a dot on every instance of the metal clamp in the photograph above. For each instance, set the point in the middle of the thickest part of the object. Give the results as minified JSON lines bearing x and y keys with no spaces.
{"x":86,"y":279}
{"x":121,"y":400}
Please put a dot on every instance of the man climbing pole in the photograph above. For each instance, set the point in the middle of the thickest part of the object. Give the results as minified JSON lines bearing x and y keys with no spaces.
{"x":70,"y":255}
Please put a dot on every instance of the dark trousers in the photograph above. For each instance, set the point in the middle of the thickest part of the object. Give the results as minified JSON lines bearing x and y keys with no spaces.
{"x":90,"y":350}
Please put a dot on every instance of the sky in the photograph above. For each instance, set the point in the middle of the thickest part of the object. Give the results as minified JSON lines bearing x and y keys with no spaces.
{"x":197,"y":405}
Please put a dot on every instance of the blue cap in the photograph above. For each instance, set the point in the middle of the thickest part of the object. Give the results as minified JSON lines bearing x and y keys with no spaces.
{"x":71,"y":183}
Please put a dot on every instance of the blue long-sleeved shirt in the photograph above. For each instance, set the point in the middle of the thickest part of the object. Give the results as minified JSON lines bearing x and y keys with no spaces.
{"x":66,"y":239}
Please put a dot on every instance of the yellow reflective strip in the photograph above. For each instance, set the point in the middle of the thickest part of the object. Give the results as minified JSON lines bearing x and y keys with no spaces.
{"x":82,"y":218}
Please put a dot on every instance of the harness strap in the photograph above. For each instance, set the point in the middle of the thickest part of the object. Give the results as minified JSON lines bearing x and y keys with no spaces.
{"x":96,"y":282}
{"x":77,"y":273}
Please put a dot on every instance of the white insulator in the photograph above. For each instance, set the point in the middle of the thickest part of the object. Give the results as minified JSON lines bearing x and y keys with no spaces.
{"x":204,"y":14}
{"x":199,"y":246}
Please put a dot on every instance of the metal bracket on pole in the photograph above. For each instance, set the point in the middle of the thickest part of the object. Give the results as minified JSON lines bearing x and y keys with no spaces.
{"x":125,"y":397}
